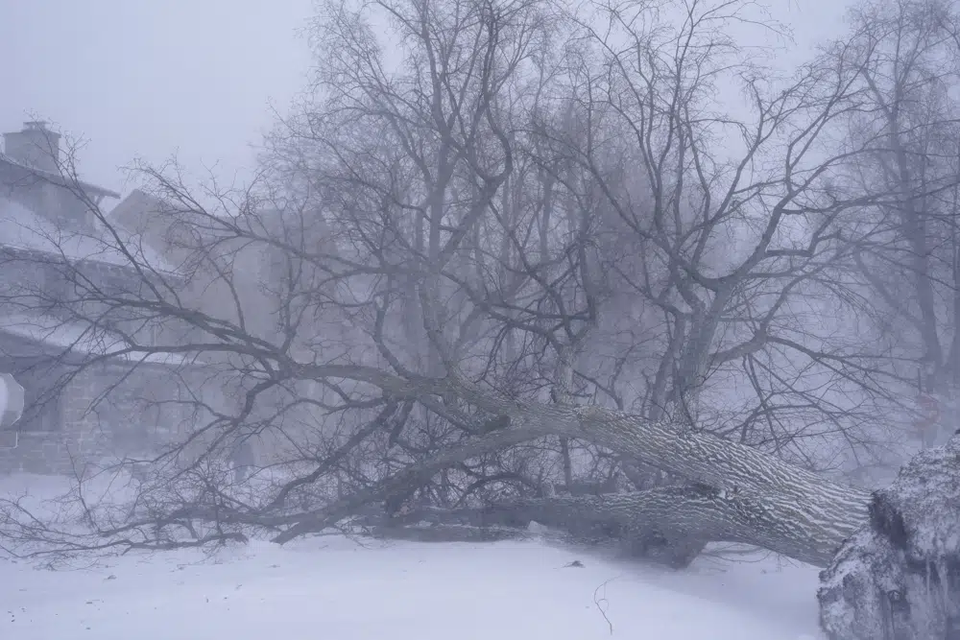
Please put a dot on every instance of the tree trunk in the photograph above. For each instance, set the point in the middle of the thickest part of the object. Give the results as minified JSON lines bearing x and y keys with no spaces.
{"x":670,"y":524}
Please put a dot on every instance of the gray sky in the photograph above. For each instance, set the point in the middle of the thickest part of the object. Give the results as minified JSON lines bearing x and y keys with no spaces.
{"x":145,"y":77}
{"x":150,"y":77}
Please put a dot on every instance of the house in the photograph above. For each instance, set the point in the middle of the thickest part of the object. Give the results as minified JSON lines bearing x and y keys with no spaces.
{"x":87,"y":400}
{"x":57,"y":234}
{"x":225,"y":276}
{"x":238,"y":270}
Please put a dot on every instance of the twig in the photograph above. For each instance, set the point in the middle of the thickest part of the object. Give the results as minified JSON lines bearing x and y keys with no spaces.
{"x":601,"y":602}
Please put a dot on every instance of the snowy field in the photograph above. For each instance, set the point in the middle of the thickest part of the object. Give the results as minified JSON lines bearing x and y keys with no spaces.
{"x":334,"y":588}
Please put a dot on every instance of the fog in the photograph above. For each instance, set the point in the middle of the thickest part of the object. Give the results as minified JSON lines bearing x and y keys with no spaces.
{"x":199,"y":79}
{"x":147,"y":79}
{"x":665,"y":280}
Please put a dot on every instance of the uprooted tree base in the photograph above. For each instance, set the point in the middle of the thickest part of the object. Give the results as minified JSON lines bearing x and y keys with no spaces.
{"x":899,"y":577}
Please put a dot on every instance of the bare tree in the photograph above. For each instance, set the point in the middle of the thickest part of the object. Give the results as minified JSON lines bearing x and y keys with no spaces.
{"x":906,"y":252}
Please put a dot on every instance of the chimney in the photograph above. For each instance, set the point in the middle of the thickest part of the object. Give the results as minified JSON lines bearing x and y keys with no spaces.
{"x":35,"y":146}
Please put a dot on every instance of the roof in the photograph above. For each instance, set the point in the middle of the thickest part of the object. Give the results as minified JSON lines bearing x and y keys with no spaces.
{"x":22,"y":228}
{"x":80,"y":337}
{"x":181,"y":234}
{"x":56,"y":178}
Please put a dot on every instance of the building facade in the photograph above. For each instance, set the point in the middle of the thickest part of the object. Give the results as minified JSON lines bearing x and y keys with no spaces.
{"x":87,"y":400}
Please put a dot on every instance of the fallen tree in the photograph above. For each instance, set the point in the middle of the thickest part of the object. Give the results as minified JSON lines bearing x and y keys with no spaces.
{"x":668,"y":525}
{"x":554,"y":293}
{"x":474,"y":193}
{"x":892,"y":558}
{"x":740,"y":494}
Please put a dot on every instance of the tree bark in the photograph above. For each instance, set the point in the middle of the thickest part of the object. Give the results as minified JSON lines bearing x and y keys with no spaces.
{"x":679,"y":521}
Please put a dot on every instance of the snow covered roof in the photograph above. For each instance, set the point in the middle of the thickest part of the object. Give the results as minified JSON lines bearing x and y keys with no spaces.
{"x":56,"y":178}
{"x":22,"y":228}
{"x":79,"y":337}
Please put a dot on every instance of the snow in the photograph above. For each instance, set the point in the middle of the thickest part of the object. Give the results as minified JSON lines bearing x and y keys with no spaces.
{"x":342,"y":589}
{"x":339,"y":589}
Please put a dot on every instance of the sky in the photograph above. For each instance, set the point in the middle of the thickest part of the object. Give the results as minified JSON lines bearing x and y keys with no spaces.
{"x":200,"y":78}
{"x":149,"y":78}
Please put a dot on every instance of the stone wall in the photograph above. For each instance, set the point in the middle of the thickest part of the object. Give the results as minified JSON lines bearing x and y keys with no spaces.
{"x":111,"y":411}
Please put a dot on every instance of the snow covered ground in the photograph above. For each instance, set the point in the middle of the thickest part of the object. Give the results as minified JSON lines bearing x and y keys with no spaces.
{"x":333,"y":588}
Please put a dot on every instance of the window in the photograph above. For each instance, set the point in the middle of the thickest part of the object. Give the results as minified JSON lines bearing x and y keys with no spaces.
{"x":40,"y":382}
